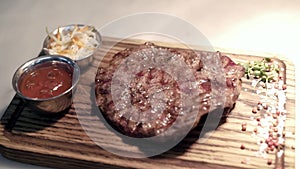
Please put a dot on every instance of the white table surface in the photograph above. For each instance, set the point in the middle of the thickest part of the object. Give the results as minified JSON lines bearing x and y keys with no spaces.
{"x":271,"y":26}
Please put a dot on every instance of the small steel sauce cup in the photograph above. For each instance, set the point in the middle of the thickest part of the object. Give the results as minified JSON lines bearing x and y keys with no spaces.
{"x":82,"y":61}
{"x":56,"y":103}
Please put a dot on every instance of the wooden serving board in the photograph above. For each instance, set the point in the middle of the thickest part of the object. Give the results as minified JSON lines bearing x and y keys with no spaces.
{"x":60,"y":141}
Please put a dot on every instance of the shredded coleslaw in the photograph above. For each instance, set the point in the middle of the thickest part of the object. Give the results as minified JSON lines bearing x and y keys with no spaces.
{"x":75,"y":43}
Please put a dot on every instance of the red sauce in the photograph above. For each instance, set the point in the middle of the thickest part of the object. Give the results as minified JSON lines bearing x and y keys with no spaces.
{"x":45,"y":81}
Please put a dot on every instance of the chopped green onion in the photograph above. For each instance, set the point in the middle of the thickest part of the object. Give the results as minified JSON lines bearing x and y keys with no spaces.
{"x":264,"y":70}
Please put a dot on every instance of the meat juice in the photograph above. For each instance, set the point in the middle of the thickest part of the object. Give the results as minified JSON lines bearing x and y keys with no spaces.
{"x":45,"y":81}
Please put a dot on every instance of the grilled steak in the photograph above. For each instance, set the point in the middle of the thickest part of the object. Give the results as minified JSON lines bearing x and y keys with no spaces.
{"x":146,"y":89}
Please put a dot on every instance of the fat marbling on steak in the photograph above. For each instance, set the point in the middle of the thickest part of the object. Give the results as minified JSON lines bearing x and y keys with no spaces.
{"x":141,"y":99}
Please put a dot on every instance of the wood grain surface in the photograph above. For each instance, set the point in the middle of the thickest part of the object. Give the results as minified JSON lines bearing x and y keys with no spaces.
{"x":63,"y":141}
